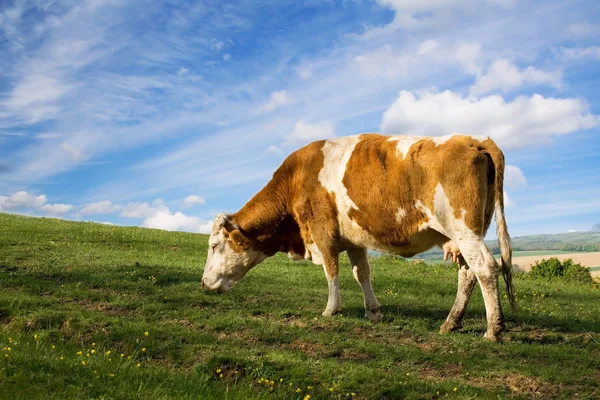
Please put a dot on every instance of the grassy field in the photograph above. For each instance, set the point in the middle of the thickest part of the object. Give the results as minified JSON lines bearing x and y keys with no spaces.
{"x":539,"y":253}
{"x":97,"y":311}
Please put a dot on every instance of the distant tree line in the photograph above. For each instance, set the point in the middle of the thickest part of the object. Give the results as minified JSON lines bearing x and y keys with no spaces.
{"x":581,"y":247}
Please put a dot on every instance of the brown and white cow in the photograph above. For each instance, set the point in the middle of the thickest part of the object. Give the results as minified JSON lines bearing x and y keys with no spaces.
{"x":395,"y":194}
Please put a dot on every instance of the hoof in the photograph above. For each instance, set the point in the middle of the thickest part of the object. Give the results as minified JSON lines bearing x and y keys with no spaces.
{"x":331,"y":313}
{"x":492,"y":336}
{"x":449,"y":326}
{"x":374,"y":316}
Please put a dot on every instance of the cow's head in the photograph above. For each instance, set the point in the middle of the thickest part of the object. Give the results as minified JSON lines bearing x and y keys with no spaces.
{"x":230,"y":256}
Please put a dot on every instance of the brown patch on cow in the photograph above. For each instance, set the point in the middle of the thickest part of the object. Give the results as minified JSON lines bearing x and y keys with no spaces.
{"x":380,"y":184}
{"x":379,"y":189}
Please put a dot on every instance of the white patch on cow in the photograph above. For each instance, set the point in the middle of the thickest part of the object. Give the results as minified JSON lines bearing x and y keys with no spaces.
{"x":442,"y":220}
{"x":403,"y":144}
{"x":438,"y":140}
{"x":334,"y":302}
{"x":314,"y":254}
{"x":400,"y":214}
{"x":337,"y":152}
{"x":442,"y":139}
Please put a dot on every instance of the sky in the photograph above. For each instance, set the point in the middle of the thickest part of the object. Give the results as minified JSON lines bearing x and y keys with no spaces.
{"x":163,"y":114}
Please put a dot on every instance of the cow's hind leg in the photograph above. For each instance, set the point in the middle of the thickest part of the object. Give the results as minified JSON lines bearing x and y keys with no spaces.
{"x":466,"y":283}
{"x":481,"y":261}
{"x":362,"y":274}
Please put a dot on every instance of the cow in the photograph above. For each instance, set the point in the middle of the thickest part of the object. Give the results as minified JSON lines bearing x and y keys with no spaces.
{"x":394,"y":194}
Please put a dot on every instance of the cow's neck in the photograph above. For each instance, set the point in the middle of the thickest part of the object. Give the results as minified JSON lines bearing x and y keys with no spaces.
{"x":265,"y":219}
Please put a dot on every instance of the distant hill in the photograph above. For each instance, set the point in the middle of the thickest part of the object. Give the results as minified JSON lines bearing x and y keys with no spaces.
{"x":574,"y":241}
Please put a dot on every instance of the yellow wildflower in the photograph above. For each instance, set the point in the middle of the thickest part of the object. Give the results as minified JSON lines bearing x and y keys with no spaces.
{"x":138,"y":365}
{"x":298,"y":390}
{"x":79,"y":353}
{"x":8,"y":348}
{"x":35,"y":336}
{"x":146,"y":333}
{"x":92,"y":351}
{"x":307,"y":397}
{"x":455,"y":389}
{"x":219,"y":371}
{"x":83,"y":362}
{"x":221,"y":376}
{"x":107,"y":353}
{"x":122,"y":355}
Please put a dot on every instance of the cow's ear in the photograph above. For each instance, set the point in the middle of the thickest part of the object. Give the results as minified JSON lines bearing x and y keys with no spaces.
{"x":238,"y":240}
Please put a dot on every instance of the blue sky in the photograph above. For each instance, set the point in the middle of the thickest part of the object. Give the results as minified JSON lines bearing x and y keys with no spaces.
{"x":162,"y":114}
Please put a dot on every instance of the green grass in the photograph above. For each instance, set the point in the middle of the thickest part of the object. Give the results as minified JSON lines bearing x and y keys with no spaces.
{"x":72,"y":292}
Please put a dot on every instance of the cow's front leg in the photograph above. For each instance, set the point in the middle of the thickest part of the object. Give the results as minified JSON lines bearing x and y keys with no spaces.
{"x":334,"y":301}
{"x":362,"y":274}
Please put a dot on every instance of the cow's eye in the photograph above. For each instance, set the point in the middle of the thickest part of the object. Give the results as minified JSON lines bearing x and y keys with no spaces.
{"x":213,"y":247}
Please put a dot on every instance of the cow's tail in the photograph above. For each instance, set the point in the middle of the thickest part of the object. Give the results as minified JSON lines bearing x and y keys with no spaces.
{"x":501,"y":228}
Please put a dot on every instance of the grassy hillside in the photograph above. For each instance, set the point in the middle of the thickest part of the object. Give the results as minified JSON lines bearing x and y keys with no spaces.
{"x":97,"y":311}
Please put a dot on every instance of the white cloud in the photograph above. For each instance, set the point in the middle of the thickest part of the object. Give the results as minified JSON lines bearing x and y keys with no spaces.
{"x":391,"y":62}
{"x":278,"y":99}
{"x":423,"y":14}
{"x":227,"y":57}
{"x":176,"y":222}
{"x":56,"y":209}
{"x":522,"y":121}
{"x":34,"y":98}
{"x":22,"y":200}
{"x":192,"y":201}
{"x":571,"y":230}
{"x":100,"y":207}
{"x":304,"y":133}
{"x":305,"y":71}
{"x":506,"y":76}
{"x":142,"y":210}
{"x":508,"y":202}
{"x":513,"y":177}
{"x":73,"y":152}
{"x":575,"y":53}
{"x":48,"y":136}
{"x":273,"y":149}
